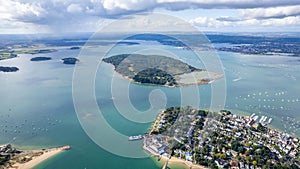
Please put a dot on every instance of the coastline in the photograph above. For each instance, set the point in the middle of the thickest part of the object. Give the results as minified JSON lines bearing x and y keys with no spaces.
{"x":274,"y":125}
{"x":177,"y":162}
{"x":160,"y":146}
{"x":178,"y":85}
{"x":35,"y":160}
{"x":172,"y":161}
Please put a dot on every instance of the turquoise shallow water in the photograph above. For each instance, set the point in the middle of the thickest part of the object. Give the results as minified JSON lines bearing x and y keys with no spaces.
{"x":37,"y":108}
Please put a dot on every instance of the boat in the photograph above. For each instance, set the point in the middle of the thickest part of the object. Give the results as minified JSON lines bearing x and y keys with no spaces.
{"x":133,"y":138}
{"x":237,"y":79}
{"x":270,"y":120}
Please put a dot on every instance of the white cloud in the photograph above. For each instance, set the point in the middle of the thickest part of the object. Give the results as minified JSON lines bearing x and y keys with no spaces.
{"x":56,"y":14}
{"x":276,"y":12}
{"x":22,"y":9}
{"x":119,"y":7}
{"x":288,"y":21}
{"x":208,"y":22}
{"x":255,"y":18}
{"x":74,"y":8}
{"x":128,"y":5}
{"x":25,"y":12}
{"x":255,"y":24}
{"x":233,"y":4}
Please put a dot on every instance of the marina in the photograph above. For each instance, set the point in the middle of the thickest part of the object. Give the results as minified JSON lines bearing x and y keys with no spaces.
{"x":263,"y":119}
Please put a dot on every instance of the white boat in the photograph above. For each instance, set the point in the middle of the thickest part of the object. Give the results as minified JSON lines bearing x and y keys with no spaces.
{"x":237,"y":79}
{"x":270,"y":120}
{"x":138,"y":137}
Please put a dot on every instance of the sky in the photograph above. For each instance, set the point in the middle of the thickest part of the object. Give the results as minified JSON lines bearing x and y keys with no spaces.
{"x":67,"y":16}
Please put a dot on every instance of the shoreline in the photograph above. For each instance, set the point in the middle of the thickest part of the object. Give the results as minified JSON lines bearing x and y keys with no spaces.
{"x":158,"y":145}
{"x":172,"y":160}
{"x":167,"y":86}
{"x":37,"y":157}
{"x":273,"y":125}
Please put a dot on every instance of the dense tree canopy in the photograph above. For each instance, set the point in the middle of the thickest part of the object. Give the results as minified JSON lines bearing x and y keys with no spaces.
{"x":154,"y":76}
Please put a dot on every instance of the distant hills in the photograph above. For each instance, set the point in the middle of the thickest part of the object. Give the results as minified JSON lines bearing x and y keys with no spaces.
{"x":249,"y":43}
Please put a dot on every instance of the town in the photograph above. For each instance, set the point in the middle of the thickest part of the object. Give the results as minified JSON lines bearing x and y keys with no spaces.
{"x":221,"y":140}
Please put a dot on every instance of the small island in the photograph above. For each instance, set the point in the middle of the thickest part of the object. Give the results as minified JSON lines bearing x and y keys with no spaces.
{"x":70,"y":61}
{"x":35,"y":59}
{"x":159,"y":70}
{"x":204,"y":139}
{"x":11,"y":157}
{"x":74,"y":48}
{"x":127,"y":43}
{"x":8,"y":69}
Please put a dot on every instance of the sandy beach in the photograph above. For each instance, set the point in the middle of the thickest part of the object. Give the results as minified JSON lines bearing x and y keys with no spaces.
{"x":47,"y":153}
{"x":176,"y":161}
{"x":173,"y":161}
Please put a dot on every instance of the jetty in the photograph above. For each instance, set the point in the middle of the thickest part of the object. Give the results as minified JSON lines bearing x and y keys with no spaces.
{"x":165,"y":166}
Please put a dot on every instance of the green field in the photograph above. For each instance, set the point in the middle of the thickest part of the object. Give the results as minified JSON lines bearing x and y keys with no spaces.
{"x":14,"y":53}
{"x":130,"y":65}
{"x":6,"y":55}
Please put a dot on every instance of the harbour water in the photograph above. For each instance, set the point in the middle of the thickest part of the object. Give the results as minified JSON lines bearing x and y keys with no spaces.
{"x":36,"y":107}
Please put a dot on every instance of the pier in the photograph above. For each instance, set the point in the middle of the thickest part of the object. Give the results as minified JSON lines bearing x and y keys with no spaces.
{"x":166,"y":164}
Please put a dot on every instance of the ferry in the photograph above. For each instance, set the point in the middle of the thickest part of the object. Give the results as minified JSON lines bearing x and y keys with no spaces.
{"x":133,"y":138}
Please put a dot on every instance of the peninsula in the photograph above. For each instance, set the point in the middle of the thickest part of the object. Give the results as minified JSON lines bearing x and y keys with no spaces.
{"x":159,"y":70}
{"x":11,"y":157}
{"x":220,"y":140}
